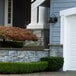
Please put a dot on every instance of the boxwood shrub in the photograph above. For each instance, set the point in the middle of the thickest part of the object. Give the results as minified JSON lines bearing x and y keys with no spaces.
{"x":54,"y":63}
{"x":22,"y":67}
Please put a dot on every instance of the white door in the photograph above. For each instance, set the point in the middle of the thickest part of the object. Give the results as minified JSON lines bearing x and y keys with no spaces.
{"x":72,"y":25}
{"x":70,"y":43}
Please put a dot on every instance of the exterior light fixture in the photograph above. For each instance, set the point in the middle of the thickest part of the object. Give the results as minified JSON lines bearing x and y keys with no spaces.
{"x":52,"y":19}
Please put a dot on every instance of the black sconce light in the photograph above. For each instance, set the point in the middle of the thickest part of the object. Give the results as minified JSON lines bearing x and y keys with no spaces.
{"x":52,"y":19}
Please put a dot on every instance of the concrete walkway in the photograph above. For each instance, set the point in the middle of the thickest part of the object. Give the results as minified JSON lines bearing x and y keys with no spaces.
{"x":45,"y":74}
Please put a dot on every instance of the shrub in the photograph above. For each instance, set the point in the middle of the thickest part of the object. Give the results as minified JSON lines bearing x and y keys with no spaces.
{"x":22,"y":67}
{"x":12,"y":44}
{"x":54,"y":63}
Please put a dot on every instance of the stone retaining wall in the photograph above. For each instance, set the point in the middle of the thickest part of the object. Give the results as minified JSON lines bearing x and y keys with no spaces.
{"x":56,"y":50}
{"x":21,"y":56}
{"x":7,"y":55}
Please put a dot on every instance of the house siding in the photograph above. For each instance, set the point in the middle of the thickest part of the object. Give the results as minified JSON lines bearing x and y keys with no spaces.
{"x":55,"y":7}
{"x":2,"y":2}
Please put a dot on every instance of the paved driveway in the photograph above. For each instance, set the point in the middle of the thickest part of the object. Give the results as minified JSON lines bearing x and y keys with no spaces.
{"x":45,"y":74}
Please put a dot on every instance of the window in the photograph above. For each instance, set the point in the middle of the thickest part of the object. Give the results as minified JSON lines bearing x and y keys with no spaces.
{"x":8,"y":12}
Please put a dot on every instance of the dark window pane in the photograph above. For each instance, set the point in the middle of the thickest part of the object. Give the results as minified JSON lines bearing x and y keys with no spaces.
{"x":9,"y":20}
{"x":9,"y":15}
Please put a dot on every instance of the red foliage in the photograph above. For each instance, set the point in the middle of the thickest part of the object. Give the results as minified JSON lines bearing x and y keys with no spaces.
{"x":16,"y":33}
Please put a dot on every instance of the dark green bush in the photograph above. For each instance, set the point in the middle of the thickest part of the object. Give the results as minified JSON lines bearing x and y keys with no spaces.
{"x":54,"y":63}
{"x":12,"y":44}
{"x":22,"y":67}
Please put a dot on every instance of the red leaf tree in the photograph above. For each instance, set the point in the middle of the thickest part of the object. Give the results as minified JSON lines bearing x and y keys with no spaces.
{"x":16,"y":33}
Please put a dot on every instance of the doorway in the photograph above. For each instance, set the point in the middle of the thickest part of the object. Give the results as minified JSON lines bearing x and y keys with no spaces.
{"x":17,"y":13}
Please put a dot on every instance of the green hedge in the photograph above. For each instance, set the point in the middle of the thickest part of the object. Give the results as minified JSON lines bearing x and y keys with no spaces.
{"x":22,"y":67}
{"x":54,"y":63}
{"x":12,"y":44}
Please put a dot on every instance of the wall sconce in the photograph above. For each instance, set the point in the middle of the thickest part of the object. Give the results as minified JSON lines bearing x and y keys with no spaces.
{"x":53,"y":19}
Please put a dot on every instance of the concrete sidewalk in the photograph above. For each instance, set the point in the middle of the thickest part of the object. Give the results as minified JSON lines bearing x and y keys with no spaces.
{"x":44,"y":74}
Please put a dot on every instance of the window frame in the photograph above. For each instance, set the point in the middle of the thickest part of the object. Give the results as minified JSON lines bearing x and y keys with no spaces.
{"x":7,"y":12}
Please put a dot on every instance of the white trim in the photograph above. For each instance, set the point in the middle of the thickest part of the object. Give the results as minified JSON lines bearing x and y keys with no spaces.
{"x":11,"y":12}
{"x":6,"y":13}
{"x":38,"y":26}
{"x":68,"y":12}
{"x":64,"y":14}
{"x":37,"y":3}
